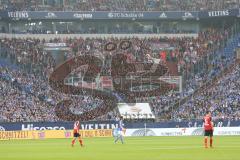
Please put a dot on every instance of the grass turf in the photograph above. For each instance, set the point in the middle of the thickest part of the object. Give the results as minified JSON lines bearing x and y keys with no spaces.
{"x":135,"y":148}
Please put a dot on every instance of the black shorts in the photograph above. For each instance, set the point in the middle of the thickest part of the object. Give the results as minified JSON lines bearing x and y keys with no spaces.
{"x":208,"y":133}
{"x":76,"y":135}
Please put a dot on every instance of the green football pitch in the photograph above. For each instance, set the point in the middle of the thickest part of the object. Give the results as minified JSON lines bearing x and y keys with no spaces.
{"x":135,"y":148}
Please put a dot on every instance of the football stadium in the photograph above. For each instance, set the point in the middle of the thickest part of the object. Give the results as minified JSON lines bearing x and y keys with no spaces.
{"x":120,"y":79}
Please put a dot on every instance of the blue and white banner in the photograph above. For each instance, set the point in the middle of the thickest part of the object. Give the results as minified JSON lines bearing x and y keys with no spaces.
{"x":218,"y":131}
{"x":57,"y":126}
{"x":111,"y":124}
{"x":132,"y":15}
{"x":100,"y":15}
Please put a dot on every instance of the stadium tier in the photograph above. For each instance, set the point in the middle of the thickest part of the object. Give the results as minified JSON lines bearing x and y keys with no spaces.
{"x":123,"y":71}
{"x":74,"y":78}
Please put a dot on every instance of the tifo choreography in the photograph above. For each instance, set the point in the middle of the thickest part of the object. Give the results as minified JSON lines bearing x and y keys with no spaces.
{"x":121,"y":69}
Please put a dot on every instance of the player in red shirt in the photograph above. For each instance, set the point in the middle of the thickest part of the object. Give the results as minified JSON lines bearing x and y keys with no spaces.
{"x":76,"y":134}
{"x":208,"y":129}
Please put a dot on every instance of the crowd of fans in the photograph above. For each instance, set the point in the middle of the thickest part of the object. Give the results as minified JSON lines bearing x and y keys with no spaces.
{"x":27,"y":97}
{"x":223,"y":99}
{"x":117,"y":5}
{"x":186,"y":51}
{"x":16,"y":103}
{"x":25,"y":89}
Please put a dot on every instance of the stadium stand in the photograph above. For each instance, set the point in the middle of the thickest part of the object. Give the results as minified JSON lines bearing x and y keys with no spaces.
{"x":26,"y":68}
{"x":117,"y":5}
{"x":222,"y":99}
